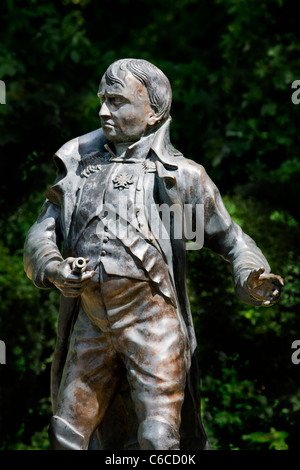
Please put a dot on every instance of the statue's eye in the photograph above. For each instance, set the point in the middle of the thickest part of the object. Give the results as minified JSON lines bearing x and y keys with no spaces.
{"x":116,"y":101}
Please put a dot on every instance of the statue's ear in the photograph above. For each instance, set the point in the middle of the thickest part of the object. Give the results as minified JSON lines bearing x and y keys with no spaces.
{"x":154,"y":118}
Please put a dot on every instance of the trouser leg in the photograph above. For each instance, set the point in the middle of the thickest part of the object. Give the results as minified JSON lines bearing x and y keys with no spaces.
{"x":89,"y":381}
{"x":154,"y":347}
{"x":63,"y":436}
{"x":156,"y":435}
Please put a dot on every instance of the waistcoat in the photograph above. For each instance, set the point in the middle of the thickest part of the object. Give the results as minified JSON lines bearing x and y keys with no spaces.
{"x":112,"y":222}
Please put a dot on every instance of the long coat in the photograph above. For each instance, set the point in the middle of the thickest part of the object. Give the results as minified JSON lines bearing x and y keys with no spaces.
{"x":180,"y":181}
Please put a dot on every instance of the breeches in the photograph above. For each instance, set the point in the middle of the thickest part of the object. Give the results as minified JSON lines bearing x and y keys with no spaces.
{"x":124,"y":327}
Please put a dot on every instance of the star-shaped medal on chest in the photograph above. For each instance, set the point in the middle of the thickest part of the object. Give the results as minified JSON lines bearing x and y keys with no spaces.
{"x":122,"y":181}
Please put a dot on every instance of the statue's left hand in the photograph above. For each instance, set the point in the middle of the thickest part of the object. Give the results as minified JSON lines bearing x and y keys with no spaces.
{"x":265,"y":287}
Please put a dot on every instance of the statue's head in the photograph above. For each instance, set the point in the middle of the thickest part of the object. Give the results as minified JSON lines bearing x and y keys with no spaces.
{"x":135,"y":100}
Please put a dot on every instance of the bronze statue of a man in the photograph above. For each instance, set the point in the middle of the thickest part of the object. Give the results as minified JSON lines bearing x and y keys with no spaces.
{"x":124,"y":374}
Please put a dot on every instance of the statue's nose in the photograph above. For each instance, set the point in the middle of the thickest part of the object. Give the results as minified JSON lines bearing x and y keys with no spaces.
{"x":104,"y":111}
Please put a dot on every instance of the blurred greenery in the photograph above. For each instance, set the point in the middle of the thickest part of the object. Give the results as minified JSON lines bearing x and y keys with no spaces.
{"x":231,"y":64}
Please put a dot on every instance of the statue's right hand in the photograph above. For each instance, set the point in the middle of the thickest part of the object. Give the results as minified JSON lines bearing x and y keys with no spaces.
{"x":70,"y":283}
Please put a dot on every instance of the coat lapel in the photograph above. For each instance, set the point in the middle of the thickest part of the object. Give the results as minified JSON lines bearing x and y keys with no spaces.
{"x":64,"y":194}
{"x":69,"y":181}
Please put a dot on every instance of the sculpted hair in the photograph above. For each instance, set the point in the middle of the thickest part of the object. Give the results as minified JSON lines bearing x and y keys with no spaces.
{"x":154,"y":80}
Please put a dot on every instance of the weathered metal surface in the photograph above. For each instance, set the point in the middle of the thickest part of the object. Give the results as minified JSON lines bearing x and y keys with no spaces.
{"x":125,"y":371}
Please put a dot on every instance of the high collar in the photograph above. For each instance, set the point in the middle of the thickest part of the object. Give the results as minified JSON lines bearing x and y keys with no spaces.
{"x":162,"y":146}
{"x":158,"y":141}
{"x":135,"y":152}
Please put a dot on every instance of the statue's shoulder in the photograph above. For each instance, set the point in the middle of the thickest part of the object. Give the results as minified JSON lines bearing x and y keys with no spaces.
{"x":189,"y":166}
{"x":68,"y":159}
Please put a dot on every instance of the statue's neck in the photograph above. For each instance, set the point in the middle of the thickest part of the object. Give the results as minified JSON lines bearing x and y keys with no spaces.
{"x":121,"y":147}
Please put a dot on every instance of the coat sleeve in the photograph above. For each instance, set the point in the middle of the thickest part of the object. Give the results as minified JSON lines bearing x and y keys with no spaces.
{"x":42,"y":245}
{"x":226,"y":238}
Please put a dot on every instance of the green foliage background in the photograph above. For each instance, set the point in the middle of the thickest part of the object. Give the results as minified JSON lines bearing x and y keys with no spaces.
{"x":231,"y":64}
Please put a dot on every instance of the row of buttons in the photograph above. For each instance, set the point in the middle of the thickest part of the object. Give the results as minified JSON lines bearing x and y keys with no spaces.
{"x":105,"y":240}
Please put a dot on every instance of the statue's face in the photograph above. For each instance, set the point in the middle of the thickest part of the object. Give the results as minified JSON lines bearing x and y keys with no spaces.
{"x":125,"y":111}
